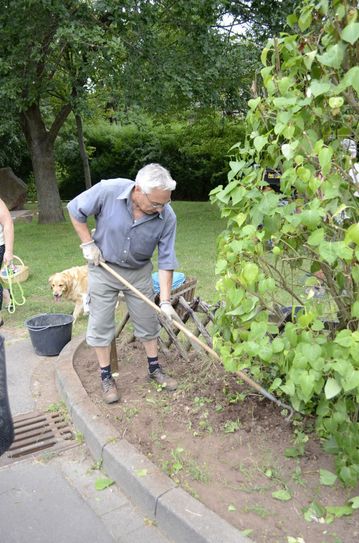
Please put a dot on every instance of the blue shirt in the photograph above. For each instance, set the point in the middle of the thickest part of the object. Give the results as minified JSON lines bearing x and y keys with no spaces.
{"x":122,"y":240}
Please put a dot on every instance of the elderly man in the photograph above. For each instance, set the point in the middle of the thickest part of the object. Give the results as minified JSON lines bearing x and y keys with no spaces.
{"x":132,"y":219}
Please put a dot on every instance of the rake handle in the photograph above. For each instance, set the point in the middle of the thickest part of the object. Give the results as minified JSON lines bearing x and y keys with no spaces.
{"x":192,"y":337}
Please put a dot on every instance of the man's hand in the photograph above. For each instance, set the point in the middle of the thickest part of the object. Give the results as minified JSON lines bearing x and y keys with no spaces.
{"x":92,"y":253}
{"x":169,"y":312}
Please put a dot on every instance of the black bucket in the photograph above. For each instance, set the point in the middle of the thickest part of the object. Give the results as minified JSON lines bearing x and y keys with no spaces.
{"x":49,"y":332}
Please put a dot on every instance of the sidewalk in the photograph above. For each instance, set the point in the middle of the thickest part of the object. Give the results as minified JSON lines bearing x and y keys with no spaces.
{"x":52,"y":497}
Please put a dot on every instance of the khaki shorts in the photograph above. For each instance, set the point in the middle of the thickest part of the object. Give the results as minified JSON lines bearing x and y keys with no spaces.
{"x":103,"y":293}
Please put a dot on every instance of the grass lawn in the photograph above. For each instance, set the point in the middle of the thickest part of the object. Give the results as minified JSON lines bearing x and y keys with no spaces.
{"x":47,"y":249}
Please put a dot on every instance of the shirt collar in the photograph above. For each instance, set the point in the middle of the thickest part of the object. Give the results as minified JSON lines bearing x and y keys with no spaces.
{"x":125,"y":192}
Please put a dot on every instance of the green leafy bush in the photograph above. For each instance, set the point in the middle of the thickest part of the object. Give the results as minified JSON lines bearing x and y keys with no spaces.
{"x":194,"y":153}
{"x":281,"y":248}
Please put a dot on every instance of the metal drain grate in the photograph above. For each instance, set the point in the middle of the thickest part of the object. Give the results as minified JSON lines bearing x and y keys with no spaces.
{"x":37,"y":432}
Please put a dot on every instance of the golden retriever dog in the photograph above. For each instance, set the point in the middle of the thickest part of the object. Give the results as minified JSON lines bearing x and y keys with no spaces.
{"x":71,"y":284}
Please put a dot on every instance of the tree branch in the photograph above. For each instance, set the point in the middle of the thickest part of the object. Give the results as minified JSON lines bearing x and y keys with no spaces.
{"x":59,"y":121}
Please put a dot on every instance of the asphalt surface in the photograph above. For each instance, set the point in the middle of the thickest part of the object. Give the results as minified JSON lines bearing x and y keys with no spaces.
{"x":52,"y":496}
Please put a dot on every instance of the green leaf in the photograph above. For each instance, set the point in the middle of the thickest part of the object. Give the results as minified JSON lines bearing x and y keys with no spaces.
{"x":316,"y":237}
{"x":351,"y":78}
{"x":260,"y":142}
{"x":332,"y":388}
{"x":282,"y":495}
{"x":311,"y":218}
{"x":320,"y":86}
{"x":355,"y":502}
{"x":327,"y":478}
{"x":314,"y":511}
{"x":325,"y":159}
{"x":355,"y":310}
{"x":246,"y":532}
{"x":350,"y":33}
{"x":336,"y":102}
{"x":309,"y":58}
{"x":141,"y":472}
{"x":288,"y":150}
{"x":254,"y":102}
{"x":232,"y":508}
{"x":292,"y":452}
{"x":334,"y":56}
{"x":277,"y":345}
{"x":344,"y":338}
{"x":305,"y":19}
{"x":352,"y":234}
{"x":340,"y":511}
{"x":102,"y":484}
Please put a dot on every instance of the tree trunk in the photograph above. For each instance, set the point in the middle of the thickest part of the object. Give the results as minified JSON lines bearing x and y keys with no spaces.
{"x":40,"y":142}
{"x":83,"y":154}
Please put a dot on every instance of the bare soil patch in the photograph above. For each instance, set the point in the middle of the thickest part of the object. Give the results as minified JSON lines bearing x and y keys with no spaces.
{"x":224,"y":444}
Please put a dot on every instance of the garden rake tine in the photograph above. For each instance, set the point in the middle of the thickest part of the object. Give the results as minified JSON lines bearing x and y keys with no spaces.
{"x":195,"y":339}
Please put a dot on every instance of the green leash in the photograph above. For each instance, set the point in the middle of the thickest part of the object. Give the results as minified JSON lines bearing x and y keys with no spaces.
{"x":13,"y":301}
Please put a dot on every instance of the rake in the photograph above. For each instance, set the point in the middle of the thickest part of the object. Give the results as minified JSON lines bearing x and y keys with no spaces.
{"x":195,"y":339}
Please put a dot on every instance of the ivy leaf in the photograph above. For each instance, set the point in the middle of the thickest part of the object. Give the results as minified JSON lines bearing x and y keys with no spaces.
{"x":334,"y":56}
{"x":327,"y":478}
{"x":102,"y":484}
{"x":282,"y":495}
{"x":350,"y":33}
{"x":332,"y":388}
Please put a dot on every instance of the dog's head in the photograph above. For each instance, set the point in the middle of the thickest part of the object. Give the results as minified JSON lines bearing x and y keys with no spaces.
{"x":59,"y":283}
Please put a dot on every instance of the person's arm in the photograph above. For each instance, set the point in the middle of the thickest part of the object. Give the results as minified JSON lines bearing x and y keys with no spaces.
{"x":165,"y":278}
{"x":8,"y":226}
{"x":89,"y":248}
{"x":81,"y":229}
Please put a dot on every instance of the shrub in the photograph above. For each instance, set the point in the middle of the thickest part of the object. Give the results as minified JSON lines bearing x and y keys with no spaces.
{"x":309,"y":352}
{"x":194,"y":153}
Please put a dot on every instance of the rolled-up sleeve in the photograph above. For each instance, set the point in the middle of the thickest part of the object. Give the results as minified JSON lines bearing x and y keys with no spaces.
{"x":87,"y":203}
{"x":166,"y":246}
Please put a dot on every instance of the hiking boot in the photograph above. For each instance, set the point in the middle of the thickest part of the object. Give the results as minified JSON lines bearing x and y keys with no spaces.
{"x":109,"y":390}
{"x":162,"y":379}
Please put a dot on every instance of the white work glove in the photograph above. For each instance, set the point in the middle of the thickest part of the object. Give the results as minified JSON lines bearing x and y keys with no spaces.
{"x":169,"y":312}
{"x":92,"y":253}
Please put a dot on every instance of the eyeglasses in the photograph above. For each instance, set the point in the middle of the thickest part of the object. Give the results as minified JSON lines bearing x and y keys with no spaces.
{"x":155,"y":205}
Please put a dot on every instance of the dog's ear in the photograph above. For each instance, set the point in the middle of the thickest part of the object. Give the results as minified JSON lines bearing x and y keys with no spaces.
{"x":50,"y":279}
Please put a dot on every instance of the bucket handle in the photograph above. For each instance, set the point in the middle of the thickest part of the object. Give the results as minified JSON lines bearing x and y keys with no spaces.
{"x":38,"y":328}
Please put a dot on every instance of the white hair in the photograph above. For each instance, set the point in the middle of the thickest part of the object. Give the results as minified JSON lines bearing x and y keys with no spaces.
{"x":154,"y":176}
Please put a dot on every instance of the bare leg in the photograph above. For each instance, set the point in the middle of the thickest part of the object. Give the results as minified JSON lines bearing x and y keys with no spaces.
{"x":103,"y":356}
{"x":151,"y":347}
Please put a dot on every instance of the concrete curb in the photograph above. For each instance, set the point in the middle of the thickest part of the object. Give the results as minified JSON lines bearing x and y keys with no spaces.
{"x":180,"y":516}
